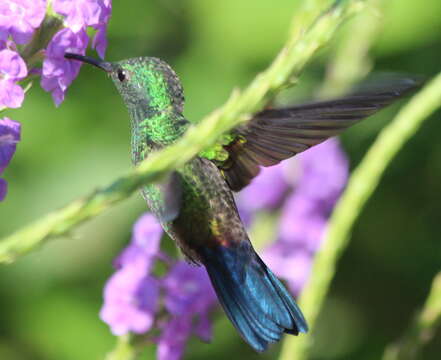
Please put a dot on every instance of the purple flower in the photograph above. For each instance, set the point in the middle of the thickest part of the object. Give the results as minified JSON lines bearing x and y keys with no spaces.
{"x":9,"y":136}
{"x":20,"y":18}
{"x":290,"y":263}
{"x":173,"y":339}
{"x":3,"y":189}
{"x":177,"y":331}
{"x":322,"y":178}
{"x":58,"y":73}
{"x":131,"y":294}
{"x":130,"y":299}
{"x":12,"y":69}
{"x":311,"y":184}
{"x":188,"y":290}
{"x":265,"y":192}
{"x":82,"y":13}
{"x":100,"y":41}
{"x":324,"y":171}
{"x":323,"y":175}
{"x":189,"y":297}
{"x":8,"y":44}
{"x":203,"y":328}
{"x":147,"y":233}
{"x":303,"y":221}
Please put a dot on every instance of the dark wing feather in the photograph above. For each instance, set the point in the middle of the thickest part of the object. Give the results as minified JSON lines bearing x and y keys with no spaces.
{"x":277,"y":134}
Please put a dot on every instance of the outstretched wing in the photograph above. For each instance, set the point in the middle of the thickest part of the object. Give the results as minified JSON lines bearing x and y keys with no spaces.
{"x":277,"y":134}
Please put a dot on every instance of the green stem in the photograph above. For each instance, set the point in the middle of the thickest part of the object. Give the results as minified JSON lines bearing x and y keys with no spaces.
{"x":305,"y":16}
{"x":32,"y":52}
{"x":421,"y":329}
{"x":360,"y":187}
{"x":240,"y":107}
{"x":351,"y":61}
{"x":123,"y":350}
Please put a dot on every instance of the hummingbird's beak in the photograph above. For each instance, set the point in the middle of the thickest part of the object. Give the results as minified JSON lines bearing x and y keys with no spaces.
{"x":103,"y":65}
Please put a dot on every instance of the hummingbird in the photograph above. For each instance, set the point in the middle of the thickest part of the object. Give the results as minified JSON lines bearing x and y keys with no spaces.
{"x":195,"y":204}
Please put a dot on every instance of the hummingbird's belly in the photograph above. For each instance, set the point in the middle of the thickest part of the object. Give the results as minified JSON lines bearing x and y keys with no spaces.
{"x":207,"y":214}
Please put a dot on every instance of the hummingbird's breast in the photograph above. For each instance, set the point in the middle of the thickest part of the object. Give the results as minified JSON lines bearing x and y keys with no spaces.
{"x":194,"y":204}
{"x":206,"y":214}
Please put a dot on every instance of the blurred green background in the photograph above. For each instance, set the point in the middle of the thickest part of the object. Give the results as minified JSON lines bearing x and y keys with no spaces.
{"x":49,"y":300}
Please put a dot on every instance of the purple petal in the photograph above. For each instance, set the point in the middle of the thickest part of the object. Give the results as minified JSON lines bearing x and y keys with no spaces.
{"x":131,"y":294}
{"x":3,"y":189}
{"x":100,"y":41}
{"x":128,"y":255}
{"x":300,"y":276}
{"x":36,"y":11}
{"x":289,"y":263}
{"x":322,"y":178}
{"x":188,"y":297}
{"x":21,"y":32}
{"x":188,"y":290}
{"x":171,"y":344}
{"x":147,"y":233}
{"x":11,"y":94}
{"x":63,"y":7}
{"x":58,"y":73}
{"x":246,"y":216}
{"x":12,"y":66}
{"x":8,"y":44}
{"x":130,"y":299}
{"x":265,"y":191}
{"x":82,"y":13}
{"x":20,"y":18}
{"x":204,"y":328}
{"x":9,"y":136}
{"x":303,"y":221}
{"x":324,"y":171}
{"x":4,"y":32}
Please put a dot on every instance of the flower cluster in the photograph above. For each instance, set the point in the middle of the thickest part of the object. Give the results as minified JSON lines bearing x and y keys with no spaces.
{"x":35,"y":34}
{"x":133,"y":296}
{"x":9,"y":136}
{"x":12,"y":69}
{"x":189,"y":298}
{"x":303,"y":189}
{"x":58,"y":73}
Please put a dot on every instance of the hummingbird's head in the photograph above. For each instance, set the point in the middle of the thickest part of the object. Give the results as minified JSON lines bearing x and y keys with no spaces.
{"x":144,"y":81}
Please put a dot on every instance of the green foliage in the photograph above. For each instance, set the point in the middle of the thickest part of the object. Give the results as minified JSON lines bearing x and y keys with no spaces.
{"x":215,"y":46}
{"x":282,"y":73}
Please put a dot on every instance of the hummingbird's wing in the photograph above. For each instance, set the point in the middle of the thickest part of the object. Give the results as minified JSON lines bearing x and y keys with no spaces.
{"x":273,"y":135}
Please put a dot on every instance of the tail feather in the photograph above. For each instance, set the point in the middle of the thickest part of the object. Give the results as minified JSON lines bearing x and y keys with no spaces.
{"x":255,"y":301}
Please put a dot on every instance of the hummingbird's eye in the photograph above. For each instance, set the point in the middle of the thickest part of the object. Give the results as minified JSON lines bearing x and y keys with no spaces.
{"x":121,"y":75}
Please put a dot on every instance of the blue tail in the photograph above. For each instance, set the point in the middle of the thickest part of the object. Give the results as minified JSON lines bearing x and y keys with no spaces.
{"x":255,"y":301}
